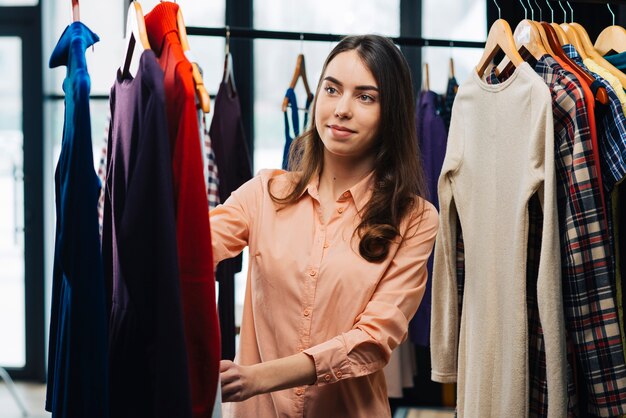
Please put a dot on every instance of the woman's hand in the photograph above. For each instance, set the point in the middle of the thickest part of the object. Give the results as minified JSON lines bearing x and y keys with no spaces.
{"x":242,"y":382}
{"x":238,"y":382}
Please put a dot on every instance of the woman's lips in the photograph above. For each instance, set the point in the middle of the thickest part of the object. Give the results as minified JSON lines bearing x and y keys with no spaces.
{"x":341,"y":131}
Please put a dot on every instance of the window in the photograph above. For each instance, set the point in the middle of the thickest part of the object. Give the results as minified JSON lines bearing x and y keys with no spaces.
{"x":460,"y":20}
{"x":20,"y":3}
{"x":12,"y":273}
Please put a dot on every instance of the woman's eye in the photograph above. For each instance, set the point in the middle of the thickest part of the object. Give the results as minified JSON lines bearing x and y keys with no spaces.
{"x":331,"y":90}
{"x":366,"y":98}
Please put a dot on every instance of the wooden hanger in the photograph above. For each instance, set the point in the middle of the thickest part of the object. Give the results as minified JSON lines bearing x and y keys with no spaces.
{"x":593,"y":54}
{"x":500,"y":38}
{"x":557,"y":30}
{"x":135,"y":32}
{"x":451,"y":67}
{"x":527,"y":43}
{"x":552,"y":36}
{"x":560,"y":33}
{"x":574,"y":39}
{"x":610,"y":39}
{"x":540,"y":30}
{"x":527,"y":36}
{"x":426,"y":85}
{"x":75,"y":11}
{"x":204,"y":100}
{"x":299,"y":72}
{"x":544,"y":38}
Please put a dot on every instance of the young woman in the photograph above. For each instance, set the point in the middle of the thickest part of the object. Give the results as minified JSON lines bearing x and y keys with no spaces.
{"x":338,"y":247}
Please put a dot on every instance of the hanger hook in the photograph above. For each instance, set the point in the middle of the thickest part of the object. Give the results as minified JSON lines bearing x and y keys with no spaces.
{"x":227,"y":39}
{"x":301,"y":43}
{"x":525,"y":9}
{"x":551,"y":12}
{"x":540,"y":11}
{"x":532,"y":11}
{"x":499,"y":11}
{"x":564,"y":12}
{"x":571,"y":10}
{"x":612,"y":14}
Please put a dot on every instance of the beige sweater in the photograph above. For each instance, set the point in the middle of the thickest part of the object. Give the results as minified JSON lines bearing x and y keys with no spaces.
{"x":500,"y":153}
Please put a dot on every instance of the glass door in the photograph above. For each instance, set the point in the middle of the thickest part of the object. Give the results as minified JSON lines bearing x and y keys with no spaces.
{"x":12,"y":274}
{"x":22,"y":330}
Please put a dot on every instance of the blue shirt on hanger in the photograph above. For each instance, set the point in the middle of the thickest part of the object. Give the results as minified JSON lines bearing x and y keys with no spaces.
{"x":77,"y":360}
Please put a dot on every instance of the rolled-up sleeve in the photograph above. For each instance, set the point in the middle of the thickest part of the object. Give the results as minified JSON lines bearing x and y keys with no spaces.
{"x":383,"y":324}
{"x":232,"y":221}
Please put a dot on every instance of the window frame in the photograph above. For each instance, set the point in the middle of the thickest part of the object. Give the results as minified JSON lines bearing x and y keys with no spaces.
{"x":25,"y":23}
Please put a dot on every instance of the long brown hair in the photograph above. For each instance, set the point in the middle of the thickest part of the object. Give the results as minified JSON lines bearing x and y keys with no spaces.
{"x":398,"y":174}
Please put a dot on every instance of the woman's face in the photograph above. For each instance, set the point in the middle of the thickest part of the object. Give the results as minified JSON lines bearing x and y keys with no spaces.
{"x":347,"y":112}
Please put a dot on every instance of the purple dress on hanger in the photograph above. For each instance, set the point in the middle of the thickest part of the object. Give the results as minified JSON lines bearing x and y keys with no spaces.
{"x":432,"y":138}
{"x":148,"y":359}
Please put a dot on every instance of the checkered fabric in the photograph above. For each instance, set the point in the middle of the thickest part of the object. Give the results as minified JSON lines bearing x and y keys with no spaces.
{"x":102,"y":172}
{"x":212,"y":180}
{"x":612,"y":130}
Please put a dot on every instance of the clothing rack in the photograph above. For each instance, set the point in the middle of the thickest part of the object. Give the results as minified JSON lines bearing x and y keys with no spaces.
{"x":246,"y":33}
{"x":594,"y":1}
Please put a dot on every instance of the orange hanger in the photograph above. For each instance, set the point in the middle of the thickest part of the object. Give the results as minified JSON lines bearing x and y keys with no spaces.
{"x":204,"y":100}
{"x":75,"y":11}
{"x":299,"y":72}
{"x":426,"y":85}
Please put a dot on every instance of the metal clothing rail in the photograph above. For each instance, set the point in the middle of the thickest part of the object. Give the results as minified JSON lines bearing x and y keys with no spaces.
{"x":593,"y":1}
{"x":246,"y":33}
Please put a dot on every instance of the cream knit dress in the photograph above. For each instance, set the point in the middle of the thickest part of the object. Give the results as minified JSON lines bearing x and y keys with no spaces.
{"x":500,"y":153}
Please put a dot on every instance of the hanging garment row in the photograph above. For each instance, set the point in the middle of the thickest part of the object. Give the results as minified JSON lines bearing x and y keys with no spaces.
{"x":432,"y":120}
{"x":133,"y":329}
{"x":527,"y":298}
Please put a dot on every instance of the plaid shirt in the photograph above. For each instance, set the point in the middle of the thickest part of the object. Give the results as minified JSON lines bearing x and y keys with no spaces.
{"x":612,"y":130}
{"x":211,"y":173}
{"x":589,"y":297}
{"x":102,"y":171}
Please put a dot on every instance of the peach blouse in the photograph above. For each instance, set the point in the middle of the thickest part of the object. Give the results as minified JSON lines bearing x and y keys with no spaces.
{"x":308,"y":290}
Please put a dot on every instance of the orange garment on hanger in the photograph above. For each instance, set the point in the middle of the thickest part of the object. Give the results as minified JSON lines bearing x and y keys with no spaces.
{"x":193,"y":231}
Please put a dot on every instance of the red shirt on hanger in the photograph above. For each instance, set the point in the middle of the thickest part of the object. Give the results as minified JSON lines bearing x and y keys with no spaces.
{"x":193,"y":231}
